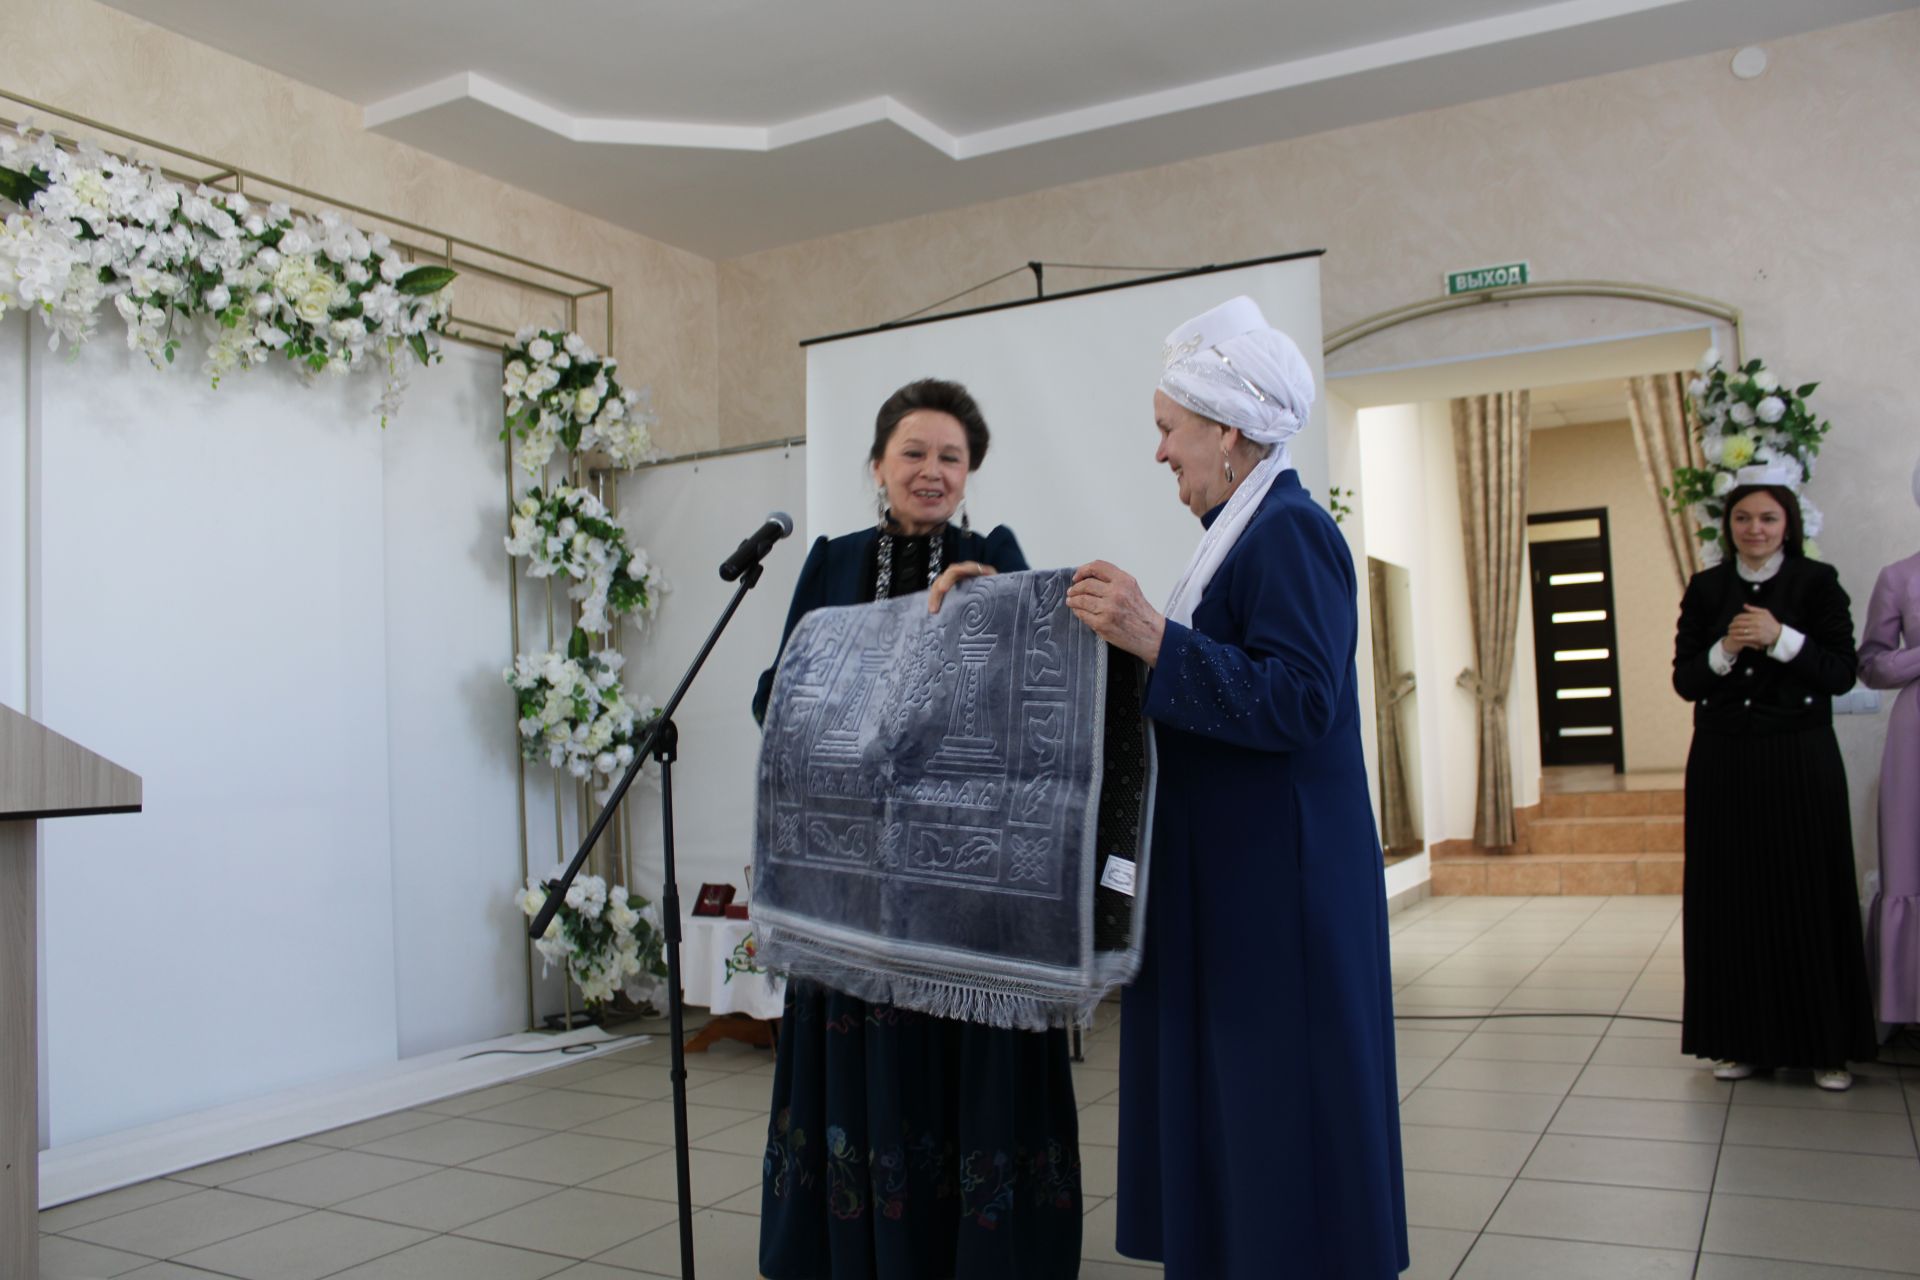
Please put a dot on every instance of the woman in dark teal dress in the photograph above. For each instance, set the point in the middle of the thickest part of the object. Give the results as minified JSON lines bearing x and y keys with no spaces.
{"x":903,"y":1146}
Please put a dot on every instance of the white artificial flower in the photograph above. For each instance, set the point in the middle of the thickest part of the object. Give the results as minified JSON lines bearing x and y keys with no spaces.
{"x":1812,"y":520}
{"x":1741,"y":413}
{"x":391,"y":269}
{"x":1766,"y":381}
{"x":1709,"y":361}
{"x":540,"y":349}
{"x":1722,"y":483}
{"x":218,"y":297}
{"x":1771,"y":409}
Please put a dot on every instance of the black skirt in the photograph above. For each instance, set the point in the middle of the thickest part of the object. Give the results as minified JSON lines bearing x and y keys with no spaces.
{"x":908,"y":1147}
{"x":1776,"y":970}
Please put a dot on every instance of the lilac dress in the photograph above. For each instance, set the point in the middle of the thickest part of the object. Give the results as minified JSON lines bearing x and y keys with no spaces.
{"x":1894,"y":613}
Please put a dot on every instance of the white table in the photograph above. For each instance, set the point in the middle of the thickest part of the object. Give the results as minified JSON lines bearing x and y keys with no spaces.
{"x":718,"y":972}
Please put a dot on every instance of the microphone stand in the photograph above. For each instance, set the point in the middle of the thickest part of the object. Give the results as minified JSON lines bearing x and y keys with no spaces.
{"x":661,"y":743}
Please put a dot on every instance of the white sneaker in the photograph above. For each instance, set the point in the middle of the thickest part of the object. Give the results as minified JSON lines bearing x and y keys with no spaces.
{"x":1838,"y":1081}
{"x":1734,"y":1071}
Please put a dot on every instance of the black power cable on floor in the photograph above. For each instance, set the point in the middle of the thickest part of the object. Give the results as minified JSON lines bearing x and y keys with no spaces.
{"x":564,"y":1050}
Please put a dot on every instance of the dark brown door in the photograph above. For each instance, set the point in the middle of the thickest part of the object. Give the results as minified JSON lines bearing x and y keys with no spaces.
{"x":1576,"y":657}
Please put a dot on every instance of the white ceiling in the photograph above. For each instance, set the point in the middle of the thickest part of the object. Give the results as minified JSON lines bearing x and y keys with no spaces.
{"x":1578,"y":404}
{"x":728,"y":126}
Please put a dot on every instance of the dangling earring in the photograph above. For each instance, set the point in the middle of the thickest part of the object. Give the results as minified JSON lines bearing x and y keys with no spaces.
{"x":965,"y":524}
{"x":880,"y":506}
{"x":1228,"y":462}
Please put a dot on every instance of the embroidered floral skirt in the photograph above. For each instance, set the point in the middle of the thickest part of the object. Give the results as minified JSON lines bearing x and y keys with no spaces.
{"x":908,"y":1147}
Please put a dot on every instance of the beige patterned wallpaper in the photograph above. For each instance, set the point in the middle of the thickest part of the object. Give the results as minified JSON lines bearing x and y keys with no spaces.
{"x":97,"y":62}
{"x":1794,"y":197}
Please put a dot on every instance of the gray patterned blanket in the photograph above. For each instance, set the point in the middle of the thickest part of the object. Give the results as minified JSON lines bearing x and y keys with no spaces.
{"x":954,"y":810}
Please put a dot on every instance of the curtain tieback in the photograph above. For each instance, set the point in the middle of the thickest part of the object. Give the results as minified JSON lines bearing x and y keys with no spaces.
{"x":1471,"y":682}
{"x":1402,"y":686}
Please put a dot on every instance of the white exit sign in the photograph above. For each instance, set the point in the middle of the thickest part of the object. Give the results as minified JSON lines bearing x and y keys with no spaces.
{"x":1477,"y":279}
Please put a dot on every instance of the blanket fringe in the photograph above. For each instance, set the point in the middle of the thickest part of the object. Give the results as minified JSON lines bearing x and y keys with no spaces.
{"x":1021,"y":1007}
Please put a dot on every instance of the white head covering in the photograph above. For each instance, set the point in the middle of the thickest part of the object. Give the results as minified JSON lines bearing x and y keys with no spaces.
{"x":1233,"y":367}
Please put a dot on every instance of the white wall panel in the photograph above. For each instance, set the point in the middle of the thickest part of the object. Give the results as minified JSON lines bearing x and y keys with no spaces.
{"x":459,"y":974}
{"x":690,"y":516}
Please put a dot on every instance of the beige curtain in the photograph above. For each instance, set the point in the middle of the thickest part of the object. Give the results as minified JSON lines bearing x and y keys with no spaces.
{"x":1657,"y":407}
{"x":1490,"y":448}
{"x":1390,"y":687}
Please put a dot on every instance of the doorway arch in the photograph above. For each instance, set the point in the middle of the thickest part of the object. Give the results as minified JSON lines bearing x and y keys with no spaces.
{"x":1658,"y":295}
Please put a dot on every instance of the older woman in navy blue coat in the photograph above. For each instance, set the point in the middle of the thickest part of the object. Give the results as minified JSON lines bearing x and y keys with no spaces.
{"x":1259,"y":1115}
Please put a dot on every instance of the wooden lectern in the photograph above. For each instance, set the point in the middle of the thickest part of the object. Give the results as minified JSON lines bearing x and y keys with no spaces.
{"x":42,"y":775}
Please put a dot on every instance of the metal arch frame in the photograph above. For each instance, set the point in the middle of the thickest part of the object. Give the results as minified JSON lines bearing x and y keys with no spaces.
{"x":1658,"y":295}
{"x":421,"y":243}
{"x":569,"y":292}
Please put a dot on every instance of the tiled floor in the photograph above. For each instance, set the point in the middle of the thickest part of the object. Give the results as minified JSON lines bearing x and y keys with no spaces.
{"x":1543,"y":1148}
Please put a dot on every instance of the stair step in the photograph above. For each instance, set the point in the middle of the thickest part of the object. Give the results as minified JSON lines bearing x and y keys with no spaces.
{"x":1576,"y":875}
{"x":1613,"y":804}
{"x":1608,"y":835}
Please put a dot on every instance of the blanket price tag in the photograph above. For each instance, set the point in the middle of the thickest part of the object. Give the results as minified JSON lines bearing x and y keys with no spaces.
{"x":1118,"y":875}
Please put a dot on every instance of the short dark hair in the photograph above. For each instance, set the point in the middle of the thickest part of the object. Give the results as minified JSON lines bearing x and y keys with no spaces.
{"x":943,"y":397}
{"x":1793,"y":543}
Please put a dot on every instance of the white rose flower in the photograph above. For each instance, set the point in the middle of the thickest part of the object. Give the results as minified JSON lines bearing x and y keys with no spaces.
{"x":268,"y":259}
{"x":263,"y":304}
{"x":1709,"y":360}
{"x":1722,"y":483}
{"x":562,"y":360}
{"x":1766,"y":381}
{"x":1742,"y":414}
{"x":540,"y":349}
{"x":1771,"y":409}
{"x":391,"y":269}
{"x":586,"y":403}
{"x":314,"y":304}
{"x":218,"y":297}
{"x":1696,"y":388}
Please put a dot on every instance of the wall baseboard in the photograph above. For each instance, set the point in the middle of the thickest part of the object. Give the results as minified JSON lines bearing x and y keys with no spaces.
{"x":121,"y":1159}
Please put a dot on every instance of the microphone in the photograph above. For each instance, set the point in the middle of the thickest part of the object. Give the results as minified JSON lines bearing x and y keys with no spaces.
{"x":751,"y":552}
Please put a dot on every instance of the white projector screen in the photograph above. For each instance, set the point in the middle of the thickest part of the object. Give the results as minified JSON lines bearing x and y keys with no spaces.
{"x":1067,"y":387}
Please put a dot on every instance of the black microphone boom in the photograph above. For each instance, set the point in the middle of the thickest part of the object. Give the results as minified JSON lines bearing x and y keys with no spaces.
{"x":751,"y":552}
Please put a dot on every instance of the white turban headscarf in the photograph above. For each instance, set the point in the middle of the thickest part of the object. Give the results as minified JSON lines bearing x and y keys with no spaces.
{"x":1233,"y":367}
